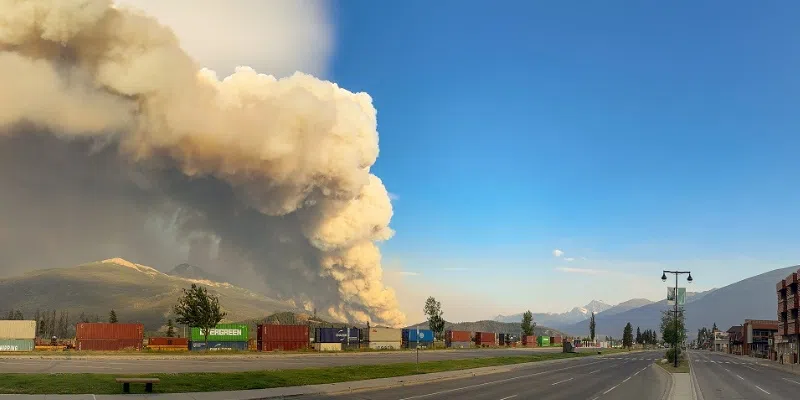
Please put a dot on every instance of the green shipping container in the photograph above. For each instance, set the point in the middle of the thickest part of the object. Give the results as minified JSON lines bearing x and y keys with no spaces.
{"x":16,"y":345}
{"x":223,"y":333}
{"x":543,"y":340}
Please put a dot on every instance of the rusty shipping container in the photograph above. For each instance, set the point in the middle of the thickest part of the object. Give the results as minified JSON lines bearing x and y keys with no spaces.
{"x":272,"y":345}
{"x":108,"y":344}
{"x":89,"y":331}
{"x":529,"y":340}
{"x":557,"y":340}
{"x":282,"y":337}
{"x":485,"y":338}
{"x":457,"y":336}
{"x":168,"y":341}
{"x":18,"y":329}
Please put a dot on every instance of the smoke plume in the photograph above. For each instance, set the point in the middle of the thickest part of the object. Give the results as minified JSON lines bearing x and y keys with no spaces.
{"x":113,"y":142}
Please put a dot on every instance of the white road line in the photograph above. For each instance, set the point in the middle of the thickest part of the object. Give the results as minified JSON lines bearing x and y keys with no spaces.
{"x":594,"y":371}
{"x":637,"y":372}
{"x":610,"y":389}
{"x":565,"y":380}
{"x":509,"y":397}
{"x":789,"y":380}
{"x":626,"y":379}
{"x":762,"y":389}
{"x":747,"y":366}
{"x":493,"y":382}
{"x":739,"y":376}
{"x":727,"y":370}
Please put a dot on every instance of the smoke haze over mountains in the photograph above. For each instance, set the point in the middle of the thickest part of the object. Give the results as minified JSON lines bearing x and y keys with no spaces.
{"x":115,"y":143}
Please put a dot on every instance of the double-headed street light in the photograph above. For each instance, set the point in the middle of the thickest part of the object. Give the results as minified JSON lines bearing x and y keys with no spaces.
{"x":664,"y":279}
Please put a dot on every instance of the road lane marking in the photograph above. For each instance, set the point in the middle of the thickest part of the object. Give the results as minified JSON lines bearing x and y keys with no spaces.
{"x":789,"y":380}
{"x":626,"y":379}
{"x":740,"y":377}
{"x":762,"y":389}
{"x":610,"y":389}
{"x":637,"y":372}
{"x":565,"y":380}
{"x":727,"y":370}
{"x":747,"y":366}
{"x":594,"y":371}
{"x":509,"y":397}
{"x":493,"y":382}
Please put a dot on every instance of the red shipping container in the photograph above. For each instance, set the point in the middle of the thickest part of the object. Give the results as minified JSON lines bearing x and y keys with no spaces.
{"x":108,"y":344}
{"x":85,"y":330}
{"x":168,"y":341}
{"x":282,"y":337}
{"x":485,"y":338}
{"x":458,"y":336}
{"x":529,"y":340}
{"x":557,"y":339}
{"x":283,"y":345}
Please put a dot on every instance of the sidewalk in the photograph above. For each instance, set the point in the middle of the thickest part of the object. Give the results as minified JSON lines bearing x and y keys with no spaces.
{"x":279,"y":393}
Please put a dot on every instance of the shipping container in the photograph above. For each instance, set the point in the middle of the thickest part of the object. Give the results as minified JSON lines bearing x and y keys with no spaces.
{"x":528,"y":340}
{"x":324,"y":346}
{"x":384,"y":335}
{"x":168,"y":341}
{"x":459,"y":345}
{"x":417,"y":335}
{"x":543,"y":341}
{"x":16,"y":344}
{"x":86,"y":331}
{"x":218,"y":346}
{"x":222,"y":333}
{"x":282,"y":345}
{"x":458,"y":336}
{"x":385,"y":345}
{"x":485,"y":339}
{"x":108,"y":344}
{"x":278,"y":333}
{"x":17,"y":329}
{"x":557,"y":340}
{"x":168,"y":347}
{"x":337,"y":335}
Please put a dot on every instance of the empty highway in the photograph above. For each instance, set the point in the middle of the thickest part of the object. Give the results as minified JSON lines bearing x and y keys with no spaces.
{"x":725,"y":377}
{"x":623,"y":376}
{"x":223,"y":363}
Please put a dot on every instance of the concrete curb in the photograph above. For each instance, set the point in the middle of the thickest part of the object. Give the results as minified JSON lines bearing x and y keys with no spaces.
{"x":698,"y":394}
{"x":668,"y":392}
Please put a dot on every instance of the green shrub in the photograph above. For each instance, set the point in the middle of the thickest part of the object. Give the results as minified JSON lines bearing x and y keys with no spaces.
{"x":670,"y":355}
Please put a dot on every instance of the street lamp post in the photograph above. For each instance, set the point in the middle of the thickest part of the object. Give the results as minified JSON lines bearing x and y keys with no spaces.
{"x":664,"y":279}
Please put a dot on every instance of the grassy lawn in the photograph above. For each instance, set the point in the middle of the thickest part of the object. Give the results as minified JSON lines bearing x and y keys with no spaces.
{"x":206,"y":382}
{"x":683,"y":367}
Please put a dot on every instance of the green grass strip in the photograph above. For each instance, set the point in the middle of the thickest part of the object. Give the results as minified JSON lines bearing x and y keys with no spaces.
{"x":209,"y":382}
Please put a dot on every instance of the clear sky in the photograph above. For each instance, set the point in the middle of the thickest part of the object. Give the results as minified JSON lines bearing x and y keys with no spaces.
{"x":630,"y":136}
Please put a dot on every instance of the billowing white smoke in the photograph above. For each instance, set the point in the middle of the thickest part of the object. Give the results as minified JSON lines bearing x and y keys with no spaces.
{"x":107,"y":125}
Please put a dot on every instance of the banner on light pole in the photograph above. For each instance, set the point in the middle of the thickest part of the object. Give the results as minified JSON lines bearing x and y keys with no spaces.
{"x":671,"y":296}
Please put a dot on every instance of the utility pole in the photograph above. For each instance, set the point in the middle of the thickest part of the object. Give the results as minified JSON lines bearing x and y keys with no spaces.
{"x":675,"y":296}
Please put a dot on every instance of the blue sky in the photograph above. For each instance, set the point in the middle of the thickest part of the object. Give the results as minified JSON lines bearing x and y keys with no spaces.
{"x":633,"y":138}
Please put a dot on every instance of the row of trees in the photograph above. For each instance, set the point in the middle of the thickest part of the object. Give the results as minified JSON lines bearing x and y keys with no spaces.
{"x":649,"y":336}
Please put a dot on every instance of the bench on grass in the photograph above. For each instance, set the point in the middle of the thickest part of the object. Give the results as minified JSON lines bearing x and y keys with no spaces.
{"x":148,"y":383}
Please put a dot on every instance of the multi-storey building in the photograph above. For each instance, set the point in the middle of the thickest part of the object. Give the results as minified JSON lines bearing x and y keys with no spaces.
{"x":786,"y":339}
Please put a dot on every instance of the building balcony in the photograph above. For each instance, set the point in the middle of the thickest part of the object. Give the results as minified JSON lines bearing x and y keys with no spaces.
{"x":792,"y":328}
{"x":782,"y":306}
{"x":780,"y":285}
{"x":782,"y":329}
{"x":791,"y":279}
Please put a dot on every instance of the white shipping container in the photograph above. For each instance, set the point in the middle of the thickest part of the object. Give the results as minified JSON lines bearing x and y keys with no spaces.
{"x":385,"y":345}
{"x":328,"y":346}
{"x":384,"y":335}
{"x":17,"y":329}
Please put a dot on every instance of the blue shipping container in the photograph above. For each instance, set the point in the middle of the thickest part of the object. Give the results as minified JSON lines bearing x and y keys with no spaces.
{"x":218,"y":346}
{"x":410,"y":335}
{"x":337,"y":335}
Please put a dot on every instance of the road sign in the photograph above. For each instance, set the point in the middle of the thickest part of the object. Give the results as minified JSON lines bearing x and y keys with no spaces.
{"x":671,"y":296}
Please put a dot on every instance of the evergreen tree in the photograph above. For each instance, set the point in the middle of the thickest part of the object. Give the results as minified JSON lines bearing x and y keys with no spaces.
{"x":10,"y":315}
{"x":592,"y":327}
{"x":527,"y":323}
{"x":52,"y":328}
{"x":112,"y":317}
{"x":627,"y":336}
{"x":638,"y":336}
{"x":170,"y":328}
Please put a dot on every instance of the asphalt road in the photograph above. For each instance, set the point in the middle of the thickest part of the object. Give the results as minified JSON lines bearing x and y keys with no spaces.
{"x":628,"y":376}
{"x":725,"y":377}
{"x":173,"y":364}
